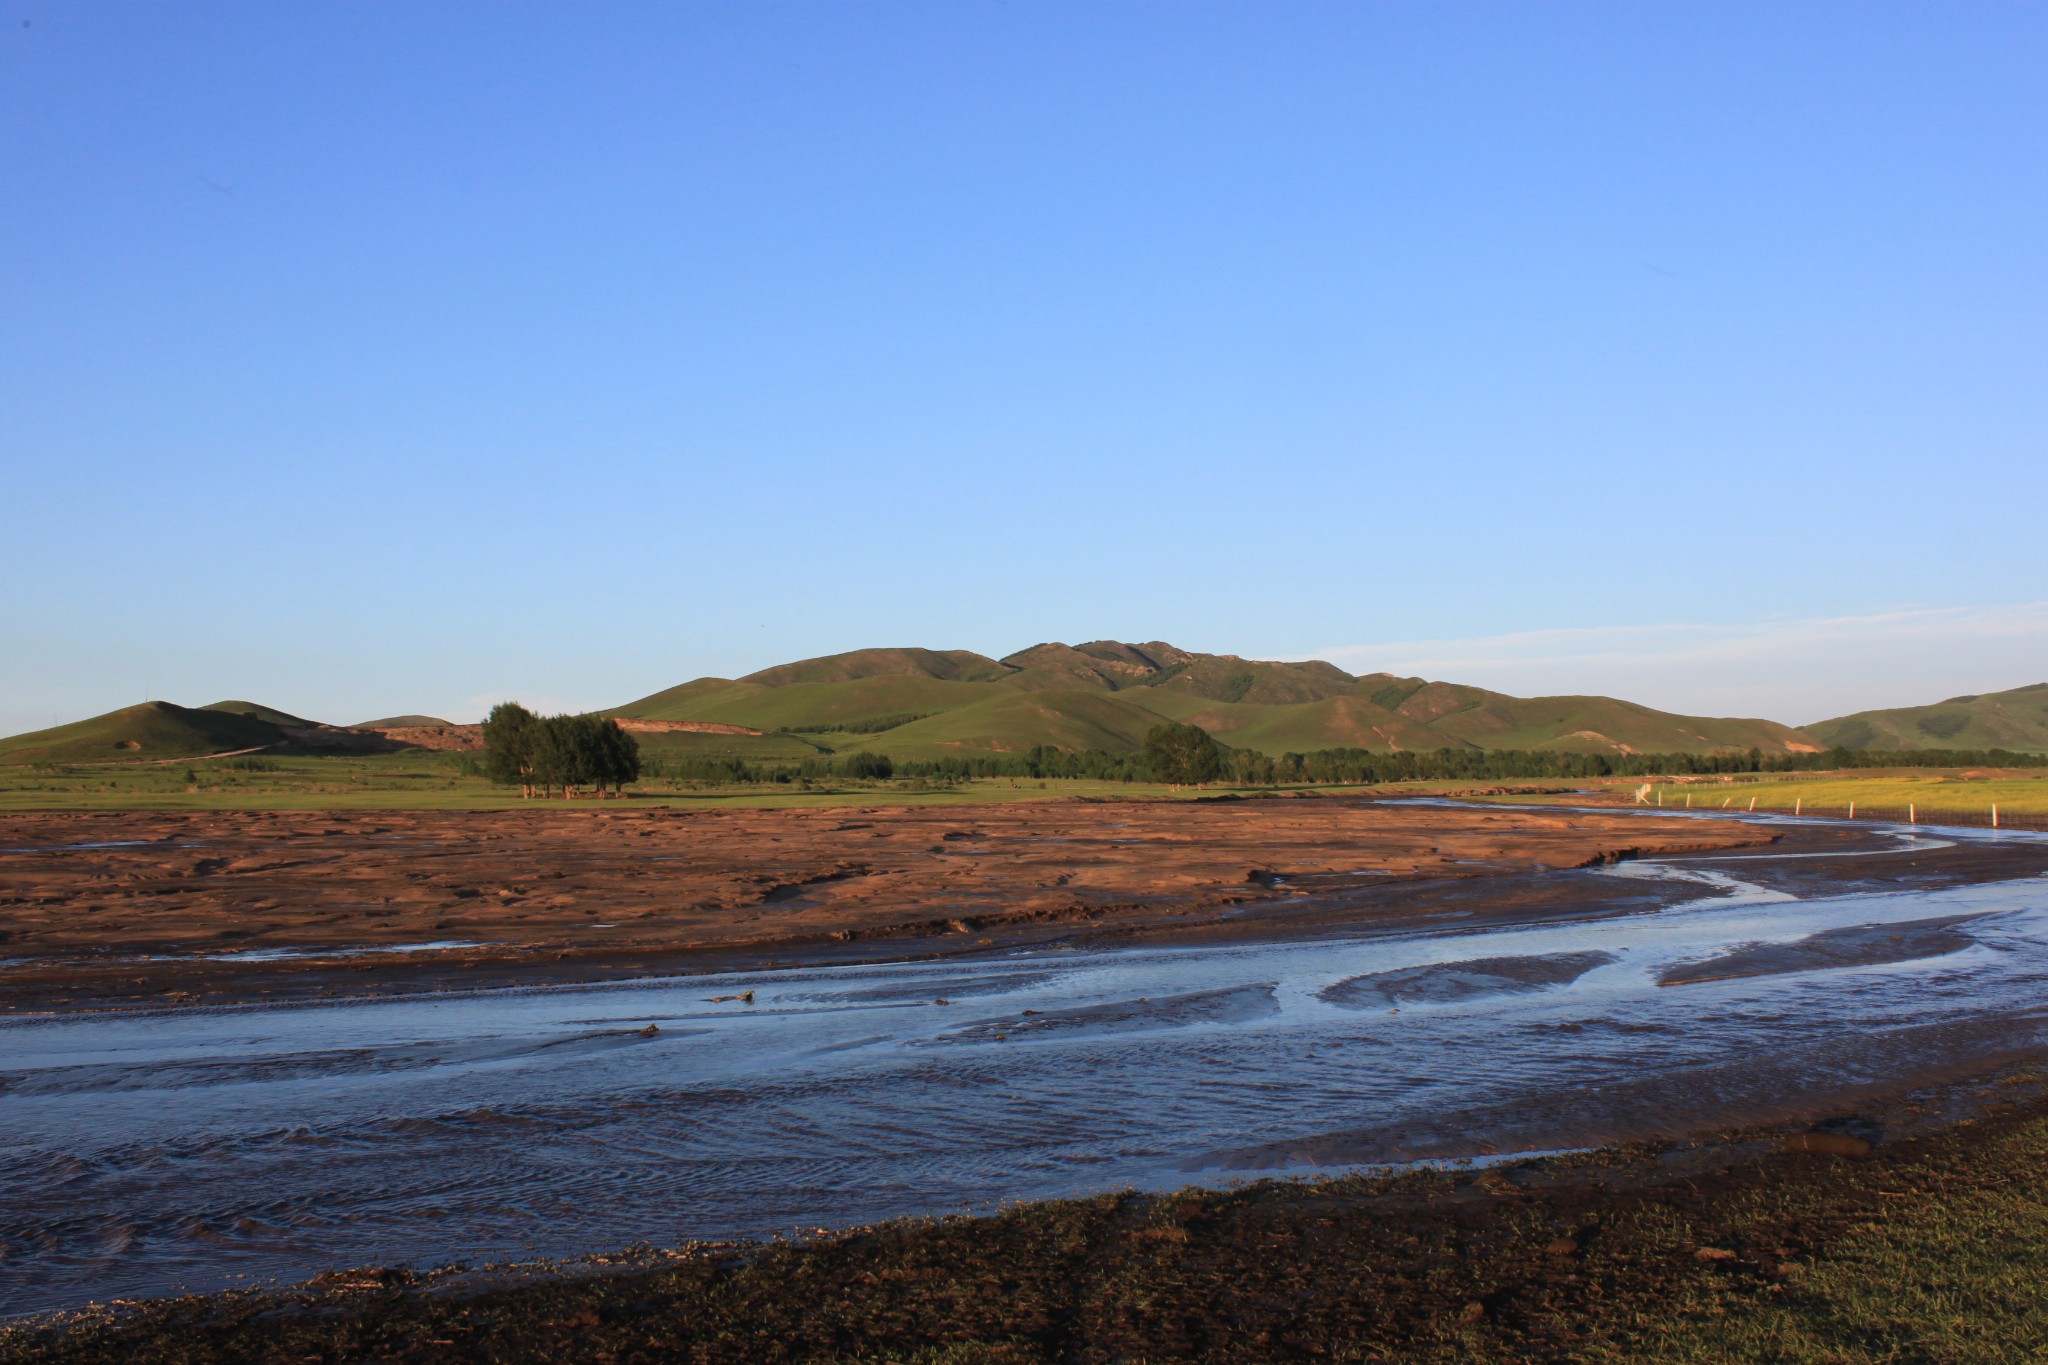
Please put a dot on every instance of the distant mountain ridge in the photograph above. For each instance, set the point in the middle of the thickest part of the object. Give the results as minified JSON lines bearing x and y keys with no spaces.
{"x":1106,"y":694}
{"x":2016,"y":719}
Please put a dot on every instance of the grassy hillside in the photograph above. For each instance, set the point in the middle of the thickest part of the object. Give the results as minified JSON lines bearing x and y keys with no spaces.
{"x":1345,"y":722}
{"x":854,"y":702}
{"x":1009,"y":721}
{"x":398,"y":723}
{"x":1105,"y":694}
{"x":949,"y":665}
{"x":155,"y":729}
{"x":1063,"y":667}
{"x":1222,"y":678}
{"x":2016,"y":720}
{"x":256,"y":710}
{"x":748,"y":748}
{"x":1490,"y":720}
{"x":686,"y":701}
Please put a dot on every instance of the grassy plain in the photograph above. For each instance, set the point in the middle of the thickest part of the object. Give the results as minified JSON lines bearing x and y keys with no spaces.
{"x":1969,"y":793}
{"x":425,"y":780}
{"x":422,"y":780}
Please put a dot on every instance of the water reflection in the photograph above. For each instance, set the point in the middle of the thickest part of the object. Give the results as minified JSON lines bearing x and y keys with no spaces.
{"x":144,"y":1154}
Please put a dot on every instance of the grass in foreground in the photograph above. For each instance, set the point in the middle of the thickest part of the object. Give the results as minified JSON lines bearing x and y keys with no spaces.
{"x":1932,"y":1250}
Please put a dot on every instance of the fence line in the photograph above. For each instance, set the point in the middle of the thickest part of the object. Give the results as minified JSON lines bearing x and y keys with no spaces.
{"x":1981,"y":818}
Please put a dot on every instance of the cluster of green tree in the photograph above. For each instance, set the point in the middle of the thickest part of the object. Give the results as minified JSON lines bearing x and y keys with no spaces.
{"x":1910,"y":758}
{"x":539,"y":754}
{"x":1365,"y":766}
{"x":1181,"y":754}
{"x":871,"y":725}
{"x":1186,"y":755}
{"x":720,"y":770}
{"x":1040,"y":761}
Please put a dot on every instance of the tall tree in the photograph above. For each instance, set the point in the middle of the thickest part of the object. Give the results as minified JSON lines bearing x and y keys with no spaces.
{"x":509,"y":734}
{"x":621,"y":755}
{"x":1185,"y":755}
{"x":865,"y":764}
{"x":558,"y":751}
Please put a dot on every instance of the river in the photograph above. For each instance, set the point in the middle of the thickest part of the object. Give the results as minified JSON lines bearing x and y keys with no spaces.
{"x":146,"y":1153}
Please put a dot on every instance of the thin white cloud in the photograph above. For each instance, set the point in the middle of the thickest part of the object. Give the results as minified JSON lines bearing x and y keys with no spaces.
{"x":1793,"y":670}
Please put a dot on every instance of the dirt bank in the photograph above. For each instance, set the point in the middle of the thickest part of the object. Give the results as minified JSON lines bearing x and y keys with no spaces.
{"x":99,"y":908}
{"x":1909,"y":1231}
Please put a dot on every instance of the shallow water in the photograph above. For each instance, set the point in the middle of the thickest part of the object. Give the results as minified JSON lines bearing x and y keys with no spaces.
{"x":147,"y":1153}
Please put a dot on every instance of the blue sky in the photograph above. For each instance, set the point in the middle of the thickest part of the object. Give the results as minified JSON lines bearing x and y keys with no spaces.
{"x":367,"y":358}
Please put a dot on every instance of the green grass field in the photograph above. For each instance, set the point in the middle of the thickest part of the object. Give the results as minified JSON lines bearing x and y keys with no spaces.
{"x":425,"y":780}
{"x":421,"y":780}
{"x":1932,"y":792}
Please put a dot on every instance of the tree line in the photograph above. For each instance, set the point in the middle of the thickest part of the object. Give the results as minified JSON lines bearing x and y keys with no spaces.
{"x":1366,"y":766}
{"x":541,"y":754}
{"x":1195,"y":759}
{"x":545,"y":754}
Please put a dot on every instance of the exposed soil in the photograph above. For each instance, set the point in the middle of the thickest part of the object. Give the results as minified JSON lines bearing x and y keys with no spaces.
{"x":100,"y":908}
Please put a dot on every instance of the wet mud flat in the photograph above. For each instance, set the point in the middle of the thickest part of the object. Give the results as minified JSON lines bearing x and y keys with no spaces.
{"x":108,"y":908}
{"x":1645,"y":1252}
{"x":1803,"y":976}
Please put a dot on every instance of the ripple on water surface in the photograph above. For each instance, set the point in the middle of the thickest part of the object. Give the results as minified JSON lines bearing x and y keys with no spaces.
{"x":148,"y":1153}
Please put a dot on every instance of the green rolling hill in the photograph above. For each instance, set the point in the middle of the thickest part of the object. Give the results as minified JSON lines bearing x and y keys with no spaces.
{"x":258,"y":711}
{"x":948,"y":665}
{"x":2015,"y":719}
{"x":1008,"y":720}
{"x":163,"y":730}
{"x":1105,"y":694}
{"x":155,"y":729}
{"x":919,"y":703}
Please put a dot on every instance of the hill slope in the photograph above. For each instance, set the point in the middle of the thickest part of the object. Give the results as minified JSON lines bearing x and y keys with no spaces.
{"x":2015,"y":719}
{"x":155,"y":729}
{"x":256,"y":710}
{"x":1011,"y":721}
{"x":949,"y":665}
{"x":1105,"y":694}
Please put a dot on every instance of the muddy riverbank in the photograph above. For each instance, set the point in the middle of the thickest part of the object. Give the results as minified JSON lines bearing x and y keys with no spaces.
{"x":1830,"y":1244}
{"x":149,"y":1150}
{"x":126,"y":908}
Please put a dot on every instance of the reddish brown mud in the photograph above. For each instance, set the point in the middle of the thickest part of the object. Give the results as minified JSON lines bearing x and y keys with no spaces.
{"x":101,"y":908}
